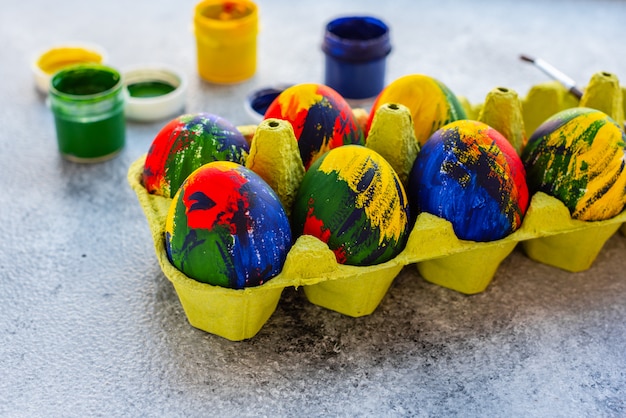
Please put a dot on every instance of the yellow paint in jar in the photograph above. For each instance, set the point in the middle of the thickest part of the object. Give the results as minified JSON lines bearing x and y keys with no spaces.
{"x":60,"y":57}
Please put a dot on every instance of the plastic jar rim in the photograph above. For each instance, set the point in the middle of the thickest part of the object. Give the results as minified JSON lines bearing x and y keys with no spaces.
{"x":244,"y":23}
{"x":111,"y":91}
{"x":355,"y":49}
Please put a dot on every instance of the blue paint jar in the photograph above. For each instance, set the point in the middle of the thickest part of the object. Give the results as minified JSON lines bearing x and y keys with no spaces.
{"x":356,"y":48}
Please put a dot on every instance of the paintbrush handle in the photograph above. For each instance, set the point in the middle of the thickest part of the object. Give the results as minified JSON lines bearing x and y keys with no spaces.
{"x":568,"y":82}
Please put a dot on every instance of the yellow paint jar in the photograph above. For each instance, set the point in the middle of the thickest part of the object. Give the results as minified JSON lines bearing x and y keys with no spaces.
{"x":226,"y":39}
{"x":49,"y":62}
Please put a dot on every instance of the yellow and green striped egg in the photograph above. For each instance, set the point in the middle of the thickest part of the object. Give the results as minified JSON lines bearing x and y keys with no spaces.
{"x":352,"y":199}
{"x":579,"y":156}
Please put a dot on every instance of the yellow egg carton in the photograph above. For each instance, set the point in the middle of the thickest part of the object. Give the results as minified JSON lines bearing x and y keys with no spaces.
{"x":548,"y":234}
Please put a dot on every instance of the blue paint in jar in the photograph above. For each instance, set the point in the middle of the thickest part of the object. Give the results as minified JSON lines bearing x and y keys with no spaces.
{"x":356,"y":48}
{"x":262,"y":99}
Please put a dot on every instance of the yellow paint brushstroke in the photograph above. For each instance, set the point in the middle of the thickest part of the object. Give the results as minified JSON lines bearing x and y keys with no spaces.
{"x":380,"y":200}
{"x":293,"y":102}
{"x":600,"y":163}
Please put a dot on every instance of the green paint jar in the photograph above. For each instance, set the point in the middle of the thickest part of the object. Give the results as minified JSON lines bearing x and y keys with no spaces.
{"x":87,"y":101}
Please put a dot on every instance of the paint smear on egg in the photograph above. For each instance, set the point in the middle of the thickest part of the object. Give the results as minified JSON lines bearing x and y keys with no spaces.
{"x":579,"y":157}
{"x":185,"y":144}
{"x":226,"y":227}
{"x":462,"y":175}
{"x":320,"y":117}
{"x":376,"y":190}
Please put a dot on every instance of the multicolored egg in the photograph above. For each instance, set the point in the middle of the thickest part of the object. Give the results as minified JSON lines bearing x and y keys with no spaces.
{"x":431,"y":103}
{"x":226,"y":227}
{"x":468,"y":174}
{"x":186,"y":143}
{"x":578,"y":156}
{"x":353,"y":200}
{"x":321,"y":119}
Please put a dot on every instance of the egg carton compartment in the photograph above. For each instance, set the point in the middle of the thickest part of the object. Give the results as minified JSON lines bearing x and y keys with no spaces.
{"x":547,"y":235}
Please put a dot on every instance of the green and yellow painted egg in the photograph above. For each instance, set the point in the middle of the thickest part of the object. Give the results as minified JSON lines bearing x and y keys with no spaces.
{"x":353,"y":200}
{"x":469,"y":174}
{"x":432,"y":104}
{"x":226,"y":227}
{"x":578,"y":156}
{"x":320,"y":117}
{"x":186,"y":143}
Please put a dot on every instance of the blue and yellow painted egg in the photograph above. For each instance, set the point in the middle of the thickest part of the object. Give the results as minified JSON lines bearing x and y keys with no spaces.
{"x":186,"y":143}
{"x":468,"y":174}
{"x":226,"y":227}
{"x":353,"y":200}
{"x":320,"y":117}
{"x":432,"y":103}
{"x":578,"y":156}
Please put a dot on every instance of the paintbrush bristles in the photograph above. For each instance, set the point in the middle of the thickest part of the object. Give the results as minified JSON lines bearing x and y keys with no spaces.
{"x":524,"y":57}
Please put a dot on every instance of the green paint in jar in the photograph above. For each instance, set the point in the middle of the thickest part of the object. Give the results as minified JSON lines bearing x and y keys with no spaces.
{"x":87,"y":101}
{"x":150,"y":88}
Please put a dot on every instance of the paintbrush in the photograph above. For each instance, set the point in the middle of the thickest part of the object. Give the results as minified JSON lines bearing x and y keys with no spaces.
{"x":555,"y":74}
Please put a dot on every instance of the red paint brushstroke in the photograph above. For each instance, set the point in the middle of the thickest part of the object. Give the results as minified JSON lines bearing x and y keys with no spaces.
{"x":224,"y":189}
{"x":516,"y":166}
{"x":163,"y":146}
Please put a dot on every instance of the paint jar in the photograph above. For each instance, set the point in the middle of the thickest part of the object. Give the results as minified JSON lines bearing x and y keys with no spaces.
{"x":154,"y":92}
{"x":226,"y":39}
{"x":87,"y":101}
{"x":356,"y":49}
{"x":259,"y":100}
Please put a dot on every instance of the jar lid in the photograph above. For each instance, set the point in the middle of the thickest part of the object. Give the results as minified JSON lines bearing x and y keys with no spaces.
{"x":154,"y":92}
{"x":48,"y":62}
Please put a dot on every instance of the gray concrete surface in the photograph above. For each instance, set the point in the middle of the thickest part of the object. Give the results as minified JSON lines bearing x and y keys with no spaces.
{"x":89,"y":326}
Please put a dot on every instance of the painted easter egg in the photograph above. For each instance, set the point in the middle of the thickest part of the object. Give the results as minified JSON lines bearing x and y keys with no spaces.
{"x":321,"y":119}
{"x":186,"y":143}
{"x":578,"y":156}
{"x":432,"y":103}
{"x":226,"y":227}
{"x":353,"y":200}
{"x":468,"y":174}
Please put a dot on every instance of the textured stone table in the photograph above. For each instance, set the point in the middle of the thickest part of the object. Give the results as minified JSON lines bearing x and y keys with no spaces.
{"x":89,"y":326}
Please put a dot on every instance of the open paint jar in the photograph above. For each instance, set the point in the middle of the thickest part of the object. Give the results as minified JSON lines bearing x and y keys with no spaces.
{"x":56,"y":58}
{"x":259,"y":100}
{"x":226,"y":36}
{"x":88,"y":105}
{"x":154,"y":93}
{"x":356,"y":50}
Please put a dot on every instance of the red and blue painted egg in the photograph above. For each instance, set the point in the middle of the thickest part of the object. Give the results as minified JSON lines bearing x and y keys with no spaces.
{"x":469,"y":174}
{"x":579,"y":156}
{"x":186,"y":143}
{"x":227,"y":227}
{"x":432,"y":103}
{"x":352,"y":199}
{"x":321,"y":119}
